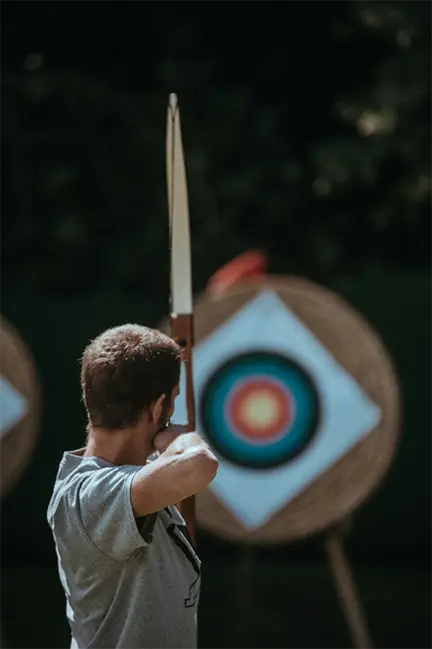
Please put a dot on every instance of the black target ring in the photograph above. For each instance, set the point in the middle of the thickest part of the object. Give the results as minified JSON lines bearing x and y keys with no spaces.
{"x":260,"y":410}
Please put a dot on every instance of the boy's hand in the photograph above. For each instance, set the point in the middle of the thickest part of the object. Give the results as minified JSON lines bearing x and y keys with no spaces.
{"x":163,"y":439}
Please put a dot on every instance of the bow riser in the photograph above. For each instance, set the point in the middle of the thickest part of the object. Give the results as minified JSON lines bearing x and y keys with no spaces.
{"x":182,"y":332}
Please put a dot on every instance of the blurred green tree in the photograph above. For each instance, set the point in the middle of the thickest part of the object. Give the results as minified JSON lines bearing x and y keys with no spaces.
{"x":378,"y":169}
{"x":313,"y":143}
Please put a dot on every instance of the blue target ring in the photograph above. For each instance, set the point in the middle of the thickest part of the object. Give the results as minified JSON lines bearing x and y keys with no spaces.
{"x":259,"y":410}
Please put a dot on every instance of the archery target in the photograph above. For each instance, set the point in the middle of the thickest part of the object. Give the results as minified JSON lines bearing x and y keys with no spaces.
{"x":259,"y":410}
{"x":291,"y":461}
{"x":297,"y":396}
{"x":19,"y":413}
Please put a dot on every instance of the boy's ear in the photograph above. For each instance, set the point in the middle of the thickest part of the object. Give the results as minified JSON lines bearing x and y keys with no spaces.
{"x":157,"y":408}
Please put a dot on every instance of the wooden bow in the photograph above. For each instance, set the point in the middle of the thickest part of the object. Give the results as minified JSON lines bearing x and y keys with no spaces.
{"x":181,"y":302}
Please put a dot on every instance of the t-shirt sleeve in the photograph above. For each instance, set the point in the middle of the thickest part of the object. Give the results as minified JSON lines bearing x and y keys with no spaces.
{"x":107,"y":514}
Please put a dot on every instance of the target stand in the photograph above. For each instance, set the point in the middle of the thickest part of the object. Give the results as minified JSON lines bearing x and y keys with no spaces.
{"x":296,"y":394}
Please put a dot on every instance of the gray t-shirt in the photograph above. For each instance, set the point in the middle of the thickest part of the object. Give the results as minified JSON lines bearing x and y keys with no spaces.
{"x":129,"y":583}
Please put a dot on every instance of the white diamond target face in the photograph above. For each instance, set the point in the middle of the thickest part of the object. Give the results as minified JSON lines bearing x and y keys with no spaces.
{"x":13,"y":406}
{"x":275,"y":406}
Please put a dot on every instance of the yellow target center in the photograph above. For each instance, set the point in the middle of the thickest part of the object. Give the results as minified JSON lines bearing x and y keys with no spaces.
{"x":260,"y":409}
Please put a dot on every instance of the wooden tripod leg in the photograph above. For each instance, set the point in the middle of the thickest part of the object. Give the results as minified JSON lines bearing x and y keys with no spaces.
{"x":346,"y":590}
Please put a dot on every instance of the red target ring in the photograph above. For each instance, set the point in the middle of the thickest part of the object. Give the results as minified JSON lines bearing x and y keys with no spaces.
{"x":260,"y":410}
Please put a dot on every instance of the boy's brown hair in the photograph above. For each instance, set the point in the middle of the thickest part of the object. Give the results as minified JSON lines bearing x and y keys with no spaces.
{"x":124,"y":371}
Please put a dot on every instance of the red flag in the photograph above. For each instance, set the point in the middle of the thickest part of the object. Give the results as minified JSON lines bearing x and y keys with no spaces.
{"x":248,"y":266}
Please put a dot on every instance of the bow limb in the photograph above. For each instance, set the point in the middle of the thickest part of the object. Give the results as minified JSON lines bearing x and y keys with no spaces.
{"x":181,"y":302}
